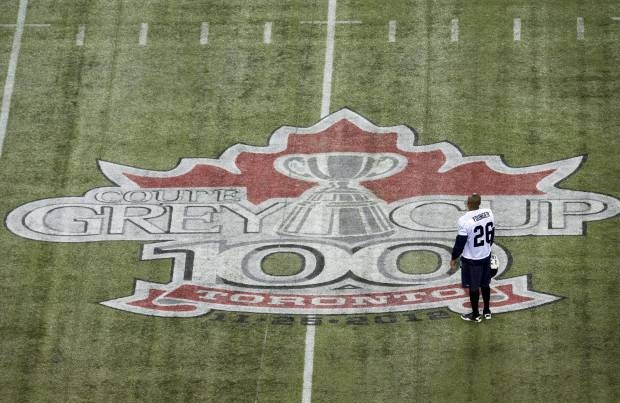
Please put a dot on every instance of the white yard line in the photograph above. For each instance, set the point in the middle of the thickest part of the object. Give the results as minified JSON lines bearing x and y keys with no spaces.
{"x":79,"y":38}
{"x":454,"y":34}
{"x":615,"y":18}
{"x":306,"y":396}
{"x":329,"y":58}
{"x":267,"y":33}
{"x":144,"y":33}
{"x":306,"y":392}
{"x":204,"y":33}
{"x":516,"y":29}
{"x":392,"y":31}
{"x":10,"y":77}
{"x":580,"y":29}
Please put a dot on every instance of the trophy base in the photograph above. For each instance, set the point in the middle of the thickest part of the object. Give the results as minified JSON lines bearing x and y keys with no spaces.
{"x":349,"y":239}
{"x":337,"y":212}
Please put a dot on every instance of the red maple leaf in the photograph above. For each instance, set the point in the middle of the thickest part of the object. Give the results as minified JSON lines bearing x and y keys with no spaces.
{"x":422,"y":176}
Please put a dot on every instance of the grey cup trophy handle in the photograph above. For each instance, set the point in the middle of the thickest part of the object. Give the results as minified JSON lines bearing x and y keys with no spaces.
{"x":296,"y":166}
{"x":383,"y":165}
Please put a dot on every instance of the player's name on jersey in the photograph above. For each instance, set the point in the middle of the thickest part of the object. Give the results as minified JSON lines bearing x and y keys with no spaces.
{"x":145,"y":214}
{"x":481,"y":216}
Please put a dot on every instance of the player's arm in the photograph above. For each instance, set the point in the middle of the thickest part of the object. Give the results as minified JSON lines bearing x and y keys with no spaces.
{"x":457,"y":250}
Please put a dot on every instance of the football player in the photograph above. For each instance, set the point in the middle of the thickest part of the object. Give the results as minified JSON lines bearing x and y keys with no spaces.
{"x":476,"y":230}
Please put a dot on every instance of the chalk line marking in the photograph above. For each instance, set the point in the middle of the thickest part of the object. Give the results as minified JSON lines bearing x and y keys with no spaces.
{"x":144,"y":33}
{"x":329,"y":58}
{"x":392,"y":31}
{"x":580,"y":29}
{"x":306,"y":392}
{"x":306,"y":396}
{"x":267,"y":33}
{"x":454,"y":34}
{"x":516,"y":29}
{"x":204,"y":33}
{"x":615,"y":18}
{"x":81,"y":34}
{"x":10,"y":76}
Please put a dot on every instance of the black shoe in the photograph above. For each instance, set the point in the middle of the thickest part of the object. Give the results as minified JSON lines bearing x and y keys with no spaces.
{"x":470,"y":317}
{"x":487,"y":315}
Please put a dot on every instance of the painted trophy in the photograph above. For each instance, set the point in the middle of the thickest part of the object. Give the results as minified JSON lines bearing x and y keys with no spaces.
{"x":340,"y":207}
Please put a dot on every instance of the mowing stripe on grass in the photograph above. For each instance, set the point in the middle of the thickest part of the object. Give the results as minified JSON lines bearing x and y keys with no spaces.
{"x":26,"y":25}
{"x":261,"y":364}
{"x":580,"y":29}
{"x":79,"y":38}
{"x":516,"y":29}
{"x":10,"y":77}
{"x":267,"y":33}
{"x":204,"y":33}
{"x":337,"y":22}
{"x":144,"y":33}
{"x":392,"y":31}
{"x":454,"y":34}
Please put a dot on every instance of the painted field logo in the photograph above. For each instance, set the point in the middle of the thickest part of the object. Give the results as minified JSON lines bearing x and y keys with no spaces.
{"x":348,"y":202}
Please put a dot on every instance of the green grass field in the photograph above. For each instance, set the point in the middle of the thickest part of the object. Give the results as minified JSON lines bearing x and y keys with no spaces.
{"x":549,"y":96}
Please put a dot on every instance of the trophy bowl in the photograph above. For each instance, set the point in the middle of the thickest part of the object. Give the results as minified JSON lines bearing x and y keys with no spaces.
{"x":340,"y":166}
{"x":339,"y":208}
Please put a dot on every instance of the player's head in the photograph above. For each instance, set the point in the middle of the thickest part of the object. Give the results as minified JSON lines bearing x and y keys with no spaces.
{"x":473,"y":202}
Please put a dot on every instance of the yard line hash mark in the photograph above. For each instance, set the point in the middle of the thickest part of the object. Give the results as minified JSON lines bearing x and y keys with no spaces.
{"x":204,"y":33}
{"x":454,"y":34}
{"x":267,"y":33}
{"x":10,"y":76}
{"x":144,"y":33}
{"x":392,"y":31}
{"x":580,"y":29}
{"x":81,"y":34}
{"x":516,"y":29}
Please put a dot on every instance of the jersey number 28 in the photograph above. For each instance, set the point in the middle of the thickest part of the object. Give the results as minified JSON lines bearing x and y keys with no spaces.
{"x":483,"y":234}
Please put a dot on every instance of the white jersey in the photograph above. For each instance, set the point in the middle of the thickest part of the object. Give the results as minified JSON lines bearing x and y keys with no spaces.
{"x":478,"y":226}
